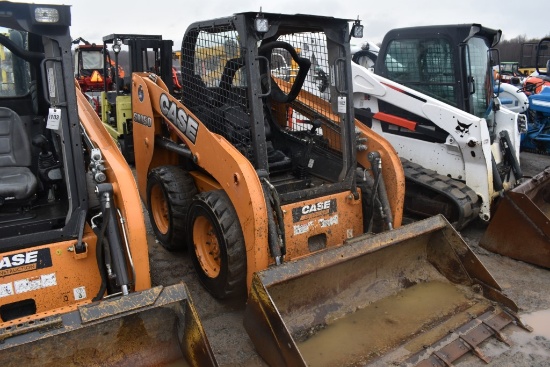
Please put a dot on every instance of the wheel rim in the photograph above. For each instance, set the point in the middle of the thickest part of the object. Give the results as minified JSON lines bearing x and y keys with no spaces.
{"x":159,"y":209}
{"x":207,"y":247}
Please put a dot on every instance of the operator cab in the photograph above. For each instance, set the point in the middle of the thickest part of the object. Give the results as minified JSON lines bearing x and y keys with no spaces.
{"x":38,"y":185}
{"x":293,"y":134}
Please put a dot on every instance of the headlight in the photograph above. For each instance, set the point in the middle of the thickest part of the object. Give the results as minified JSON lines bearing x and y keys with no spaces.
{"x":46,"y":15}
{"x":261,"y":25}
{"x":357,"y":29}
{"x":522,"y":124}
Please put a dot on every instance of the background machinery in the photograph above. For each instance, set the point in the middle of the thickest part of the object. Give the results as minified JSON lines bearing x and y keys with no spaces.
{"x":144,"y":53}
{"x":512,"y":97}
{"x":89,"y":67}
{"x":90,"y":71}
{"x":537,"y":137}
{"x":523,"y":215}
{"x":444,"y":146}
{"x":533,"y":58}
{"x":282,"y":206}
{"x":431,"y":95}
{"x":528,"y":58}
{"x":75,"y":287}
{"x":508,"y":72}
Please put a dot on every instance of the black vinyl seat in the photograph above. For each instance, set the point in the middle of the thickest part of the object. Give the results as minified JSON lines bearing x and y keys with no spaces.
{"x":16,"y":179}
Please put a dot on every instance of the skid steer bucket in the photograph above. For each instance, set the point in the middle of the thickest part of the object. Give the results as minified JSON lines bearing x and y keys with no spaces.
{"x":520,"y":228}
{"x":384,"y":299}
{"x":155,"y":327}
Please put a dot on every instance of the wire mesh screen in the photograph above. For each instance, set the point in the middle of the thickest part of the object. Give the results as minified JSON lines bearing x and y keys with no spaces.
{"x":214,"y":75}
{"x":214,"y":85}
{"x":426,"y":66}
{"x":314,"y":98}
{"x":312,"y":46}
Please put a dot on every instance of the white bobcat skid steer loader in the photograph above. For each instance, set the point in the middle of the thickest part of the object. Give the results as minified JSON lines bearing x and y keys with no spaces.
{"x":459,"y":148}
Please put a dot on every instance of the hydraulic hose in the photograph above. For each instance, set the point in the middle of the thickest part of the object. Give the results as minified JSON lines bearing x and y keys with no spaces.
{"x":497,"y":181}
{"x":100,"y":263}
{"x":120,"y":268}
{"x":376,"y":164}
{"x":506,"y":144}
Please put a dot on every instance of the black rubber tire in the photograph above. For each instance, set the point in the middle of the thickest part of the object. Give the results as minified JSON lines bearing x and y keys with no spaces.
{"x":177,"y":188}
{"x":213,"y":209}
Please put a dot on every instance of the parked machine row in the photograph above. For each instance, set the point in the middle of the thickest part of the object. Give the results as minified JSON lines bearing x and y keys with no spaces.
{"x":279,"y":165}
{"x":289,"y":214}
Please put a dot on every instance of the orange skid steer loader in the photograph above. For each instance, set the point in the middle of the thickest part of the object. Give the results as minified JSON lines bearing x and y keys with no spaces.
{"x":75,"y":287}
{"x":263,"y":173}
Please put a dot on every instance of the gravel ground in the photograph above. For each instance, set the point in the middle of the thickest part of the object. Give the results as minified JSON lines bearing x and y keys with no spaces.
{"x":527,"y":285}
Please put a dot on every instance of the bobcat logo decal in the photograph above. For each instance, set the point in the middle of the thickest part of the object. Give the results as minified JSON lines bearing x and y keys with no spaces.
{"x":463,"y":129}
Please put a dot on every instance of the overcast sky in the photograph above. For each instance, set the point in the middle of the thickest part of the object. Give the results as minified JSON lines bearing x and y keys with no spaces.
{"x":93,"y":19}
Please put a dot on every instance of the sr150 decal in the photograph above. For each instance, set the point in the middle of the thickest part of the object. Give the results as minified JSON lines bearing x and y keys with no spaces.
{"x":142,"y":119}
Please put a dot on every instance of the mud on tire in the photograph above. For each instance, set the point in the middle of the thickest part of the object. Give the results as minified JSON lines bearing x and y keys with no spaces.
{"x":169,"y":193}
{"x":216,"y":244}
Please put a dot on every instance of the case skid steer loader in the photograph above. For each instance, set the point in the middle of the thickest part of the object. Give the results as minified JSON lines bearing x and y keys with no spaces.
{"x":75,"y":287}
{"x":460,"y":149}
{"x":275,"y":188}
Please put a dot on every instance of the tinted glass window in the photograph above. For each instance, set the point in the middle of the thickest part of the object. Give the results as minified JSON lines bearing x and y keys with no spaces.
{"x":14,"y":71}
{"x":426,"y":65}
